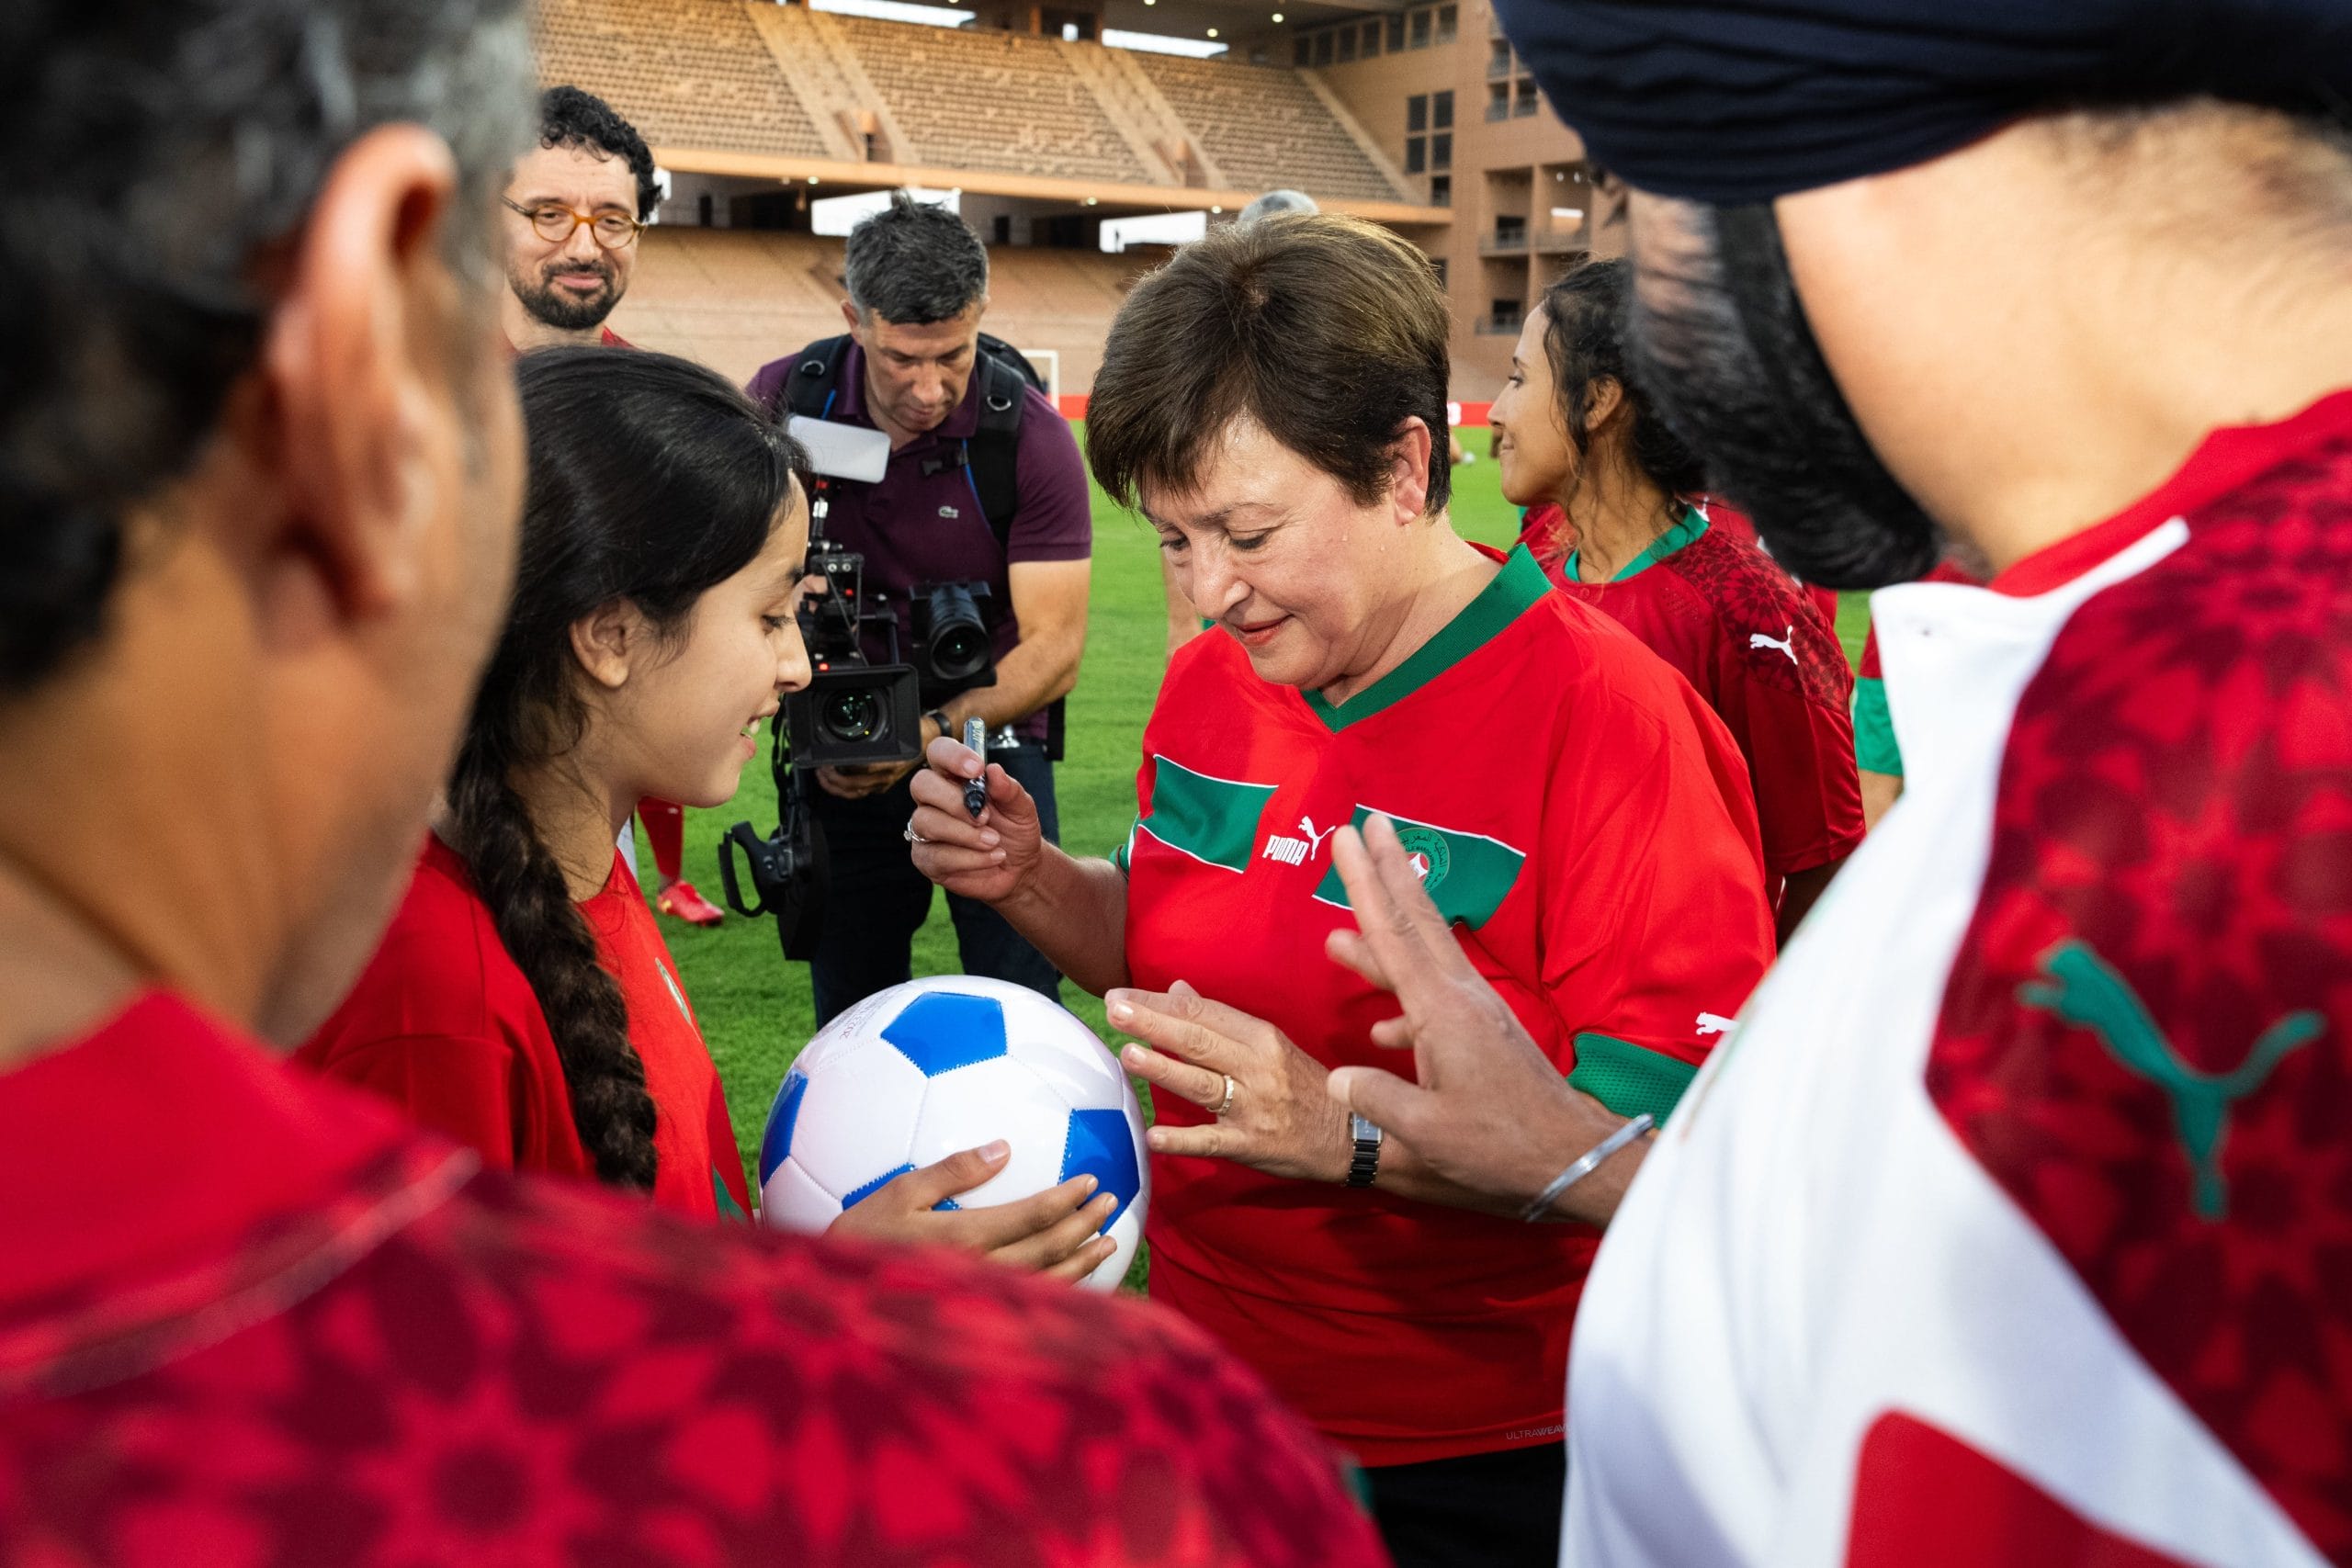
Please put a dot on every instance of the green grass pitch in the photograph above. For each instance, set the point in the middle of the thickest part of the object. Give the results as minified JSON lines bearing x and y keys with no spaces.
{"x":755,"y":1009}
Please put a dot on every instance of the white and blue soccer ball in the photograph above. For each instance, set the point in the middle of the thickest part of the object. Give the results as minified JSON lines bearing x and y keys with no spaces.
{"x":913,"y":1073}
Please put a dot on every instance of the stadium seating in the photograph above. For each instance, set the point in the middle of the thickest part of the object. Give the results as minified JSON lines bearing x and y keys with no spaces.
{"x":1266,"y":127}
{"x":737,"y":299}
{"x":718,"y":76}
{"x":686,"y":72}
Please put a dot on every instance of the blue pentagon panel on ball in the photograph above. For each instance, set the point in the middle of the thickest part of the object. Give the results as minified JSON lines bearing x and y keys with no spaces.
{"x":1100,"y":1144}
{"x":943,"y":1031}
{"x":777,"y":1141}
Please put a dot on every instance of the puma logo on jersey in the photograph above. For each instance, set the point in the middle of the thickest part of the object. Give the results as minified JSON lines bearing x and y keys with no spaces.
{"x":1715,"y":1024}
{"x":2085,"y":990}
{"x":1784,"y":642}
{"x":1296,"y":851}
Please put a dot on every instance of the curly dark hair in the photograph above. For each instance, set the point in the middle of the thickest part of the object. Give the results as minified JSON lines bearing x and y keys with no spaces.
{"x":651,"y":480}
{"x":572,"y":116}
{"x":158,"y":150}
{"x":1584,"y":338}
{"x":914,"y":263}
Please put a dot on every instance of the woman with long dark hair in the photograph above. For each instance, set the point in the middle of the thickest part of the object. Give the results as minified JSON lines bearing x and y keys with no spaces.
{"x":524,"y":1001}
{"x":1573,"y":429}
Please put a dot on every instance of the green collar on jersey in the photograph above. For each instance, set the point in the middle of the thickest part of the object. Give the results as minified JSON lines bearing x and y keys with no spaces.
{"x":1520,"y":584}
{"x":1693,"y":523}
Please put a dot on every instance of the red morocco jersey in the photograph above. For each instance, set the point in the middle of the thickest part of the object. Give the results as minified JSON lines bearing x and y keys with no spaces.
{"x":1710,"y":603}
{"x":443,"y":1024}
{"x":2013,"y":1226}
{"x":248,"y":1317}
{"x":1585,"y":821}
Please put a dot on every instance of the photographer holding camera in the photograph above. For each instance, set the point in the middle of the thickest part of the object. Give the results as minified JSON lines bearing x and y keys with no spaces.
{"x":980,"y":512}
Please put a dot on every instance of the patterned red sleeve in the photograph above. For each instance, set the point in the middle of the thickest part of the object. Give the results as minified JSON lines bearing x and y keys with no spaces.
{"x":2147,"y":1038}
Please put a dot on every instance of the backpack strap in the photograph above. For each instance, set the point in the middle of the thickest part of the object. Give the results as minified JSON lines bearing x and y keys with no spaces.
{"x":809,"y":390}
{"x":993,"y":449}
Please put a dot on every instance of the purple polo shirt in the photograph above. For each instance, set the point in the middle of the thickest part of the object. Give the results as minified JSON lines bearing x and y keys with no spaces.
{"x":915,"y":527}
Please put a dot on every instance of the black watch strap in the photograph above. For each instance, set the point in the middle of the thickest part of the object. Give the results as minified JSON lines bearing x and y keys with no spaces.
{"x":939,"y":716}
{"x":1365,"y":1166}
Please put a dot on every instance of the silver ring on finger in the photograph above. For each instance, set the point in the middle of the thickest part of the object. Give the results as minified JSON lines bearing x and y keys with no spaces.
{"x":910,"y":835}
{"x":1227,"y":1103}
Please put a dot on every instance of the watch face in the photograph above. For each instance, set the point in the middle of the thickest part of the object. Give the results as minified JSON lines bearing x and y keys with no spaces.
{"x":1362,"y":1129}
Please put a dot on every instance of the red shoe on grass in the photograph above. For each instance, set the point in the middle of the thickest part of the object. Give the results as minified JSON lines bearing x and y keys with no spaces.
{"x":680,"y":901}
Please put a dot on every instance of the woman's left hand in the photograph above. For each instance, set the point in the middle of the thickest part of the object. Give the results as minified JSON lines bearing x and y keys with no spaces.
{"x":1281,"y":1120}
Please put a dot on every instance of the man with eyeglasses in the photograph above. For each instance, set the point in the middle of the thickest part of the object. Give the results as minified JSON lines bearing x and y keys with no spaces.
{"x":574,"y":210}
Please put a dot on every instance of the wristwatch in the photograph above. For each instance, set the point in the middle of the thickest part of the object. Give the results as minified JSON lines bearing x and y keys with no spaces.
{"x":947,"y":726}
{"x":1366,"y":1164}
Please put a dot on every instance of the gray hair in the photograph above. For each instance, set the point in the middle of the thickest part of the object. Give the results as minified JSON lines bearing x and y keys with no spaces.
{"x":914,"y":264}
{"x":159,"y":148}
{"x":1276,"y":201}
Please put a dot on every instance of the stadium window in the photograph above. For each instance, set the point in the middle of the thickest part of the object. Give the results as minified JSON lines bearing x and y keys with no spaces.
{"x":1497,"y":101}
{"x":1415,"y":150}
{"x":1420,"y":29}
{"x":1506,"y":314}
{"x":1396,"y":31}
{"x":1302,"y":50}
{"x":1441,"y":149}
{"x":1004,"y":228}
{"x":1322,"y":48}
{"x":703,"y":209}
{"x":1446,"y":17}
{"x":1442,"y":111}
{"x":1499,"y":58}
{"x":1441,"y":194}
{"x":1347,"y":45}
{"x":1371,"y":40}
{"x":1527,"y":102}
{"x":1416,"y":112}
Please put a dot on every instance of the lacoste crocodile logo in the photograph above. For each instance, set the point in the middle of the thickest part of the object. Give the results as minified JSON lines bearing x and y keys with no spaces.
{"x":2083,"y":989}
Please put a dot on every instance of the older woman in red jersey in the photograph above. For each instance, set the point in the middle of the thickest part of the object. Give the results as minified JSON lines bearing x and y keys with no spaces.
{"x":1574,"y":431}
{"x":1274,"y":401}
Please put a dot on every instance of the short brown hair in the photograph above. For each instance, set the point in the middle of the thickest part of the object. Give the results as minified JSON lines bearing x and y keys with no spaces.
{"x":1328,"y":332}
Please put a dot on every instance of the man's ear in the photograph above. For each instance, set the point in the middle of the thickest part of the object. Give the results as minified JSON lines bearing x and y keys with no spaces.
{"x":361,"y":370}
{"x":1408,"y":469}
{"x":610,"y":641}
{"x":856,"y":326}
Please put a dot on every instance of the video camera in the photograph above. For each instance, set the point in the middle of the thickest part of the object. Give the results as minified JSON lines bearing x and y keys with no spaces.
{"x":852,"y":711}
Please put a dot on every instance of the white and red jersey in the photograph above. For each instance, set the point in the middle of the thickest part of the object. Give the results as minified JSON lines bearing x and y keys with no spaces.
{"x":2015,"y":1225}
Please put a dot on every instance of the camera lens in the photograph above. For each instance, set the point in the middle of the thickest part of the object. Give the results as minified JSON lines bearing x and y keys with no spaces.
{"x":850,"y":717}
{"x":957,"y":646}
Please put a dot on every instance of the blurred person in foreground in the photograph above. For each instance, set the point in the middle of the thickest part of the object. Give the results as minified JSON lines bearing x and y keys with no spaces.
{"x":1273,"y":400}
{"x":259,"y":467}
{"x":2010,"y":1228}
{"x":1573,"y":429}
{"x":575,"y":207}
{"x":984,"y":484}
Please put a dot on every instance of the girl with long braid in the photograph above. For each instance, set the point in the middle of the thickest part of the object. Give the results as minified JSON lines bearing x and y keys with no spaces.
{"x":523,"y":1000}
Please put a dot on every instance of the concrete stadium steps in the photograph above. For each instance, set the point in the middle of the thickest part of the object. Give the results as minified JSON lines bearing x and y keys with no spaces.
{"x":686,"y":72}
{"x":1266,"y":127}
{"x":992,"y":100}
{"x":736,"y":299}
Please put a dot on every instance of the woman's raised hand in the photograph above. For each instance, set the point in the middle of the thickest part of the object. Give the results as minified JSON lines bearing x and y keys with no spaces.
{"x":987,"y":859}
{"x":1056,"y":1232}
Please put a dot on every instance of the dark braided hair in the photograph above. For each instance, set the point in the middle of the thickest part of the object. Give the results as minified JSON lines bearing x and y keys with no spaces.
{"x":1584,"y":337}
{"x":651,"y":480}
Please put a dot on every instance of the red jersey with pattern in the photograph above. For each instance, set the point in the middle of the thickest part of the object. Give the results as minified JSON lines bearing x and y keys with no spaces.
{"x":444,"y":1023}
{"x":2016,"y":1225}
{"x":248,"y":1317}
{"x":1585,"y":821}
{"x":1741,"y":631}
{"x":2147,"y":1037}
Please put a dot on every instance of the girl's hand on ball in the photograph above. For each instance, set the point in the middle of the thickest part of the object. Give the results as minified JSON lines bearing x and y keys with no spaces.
{"x":986,"y":859}
{"x":1053,"y":1233}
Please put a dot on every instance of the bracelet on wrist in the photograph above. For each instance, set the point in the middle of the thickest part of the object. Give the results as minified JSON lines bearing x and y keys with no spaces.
{"x":1585,"y":1165}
